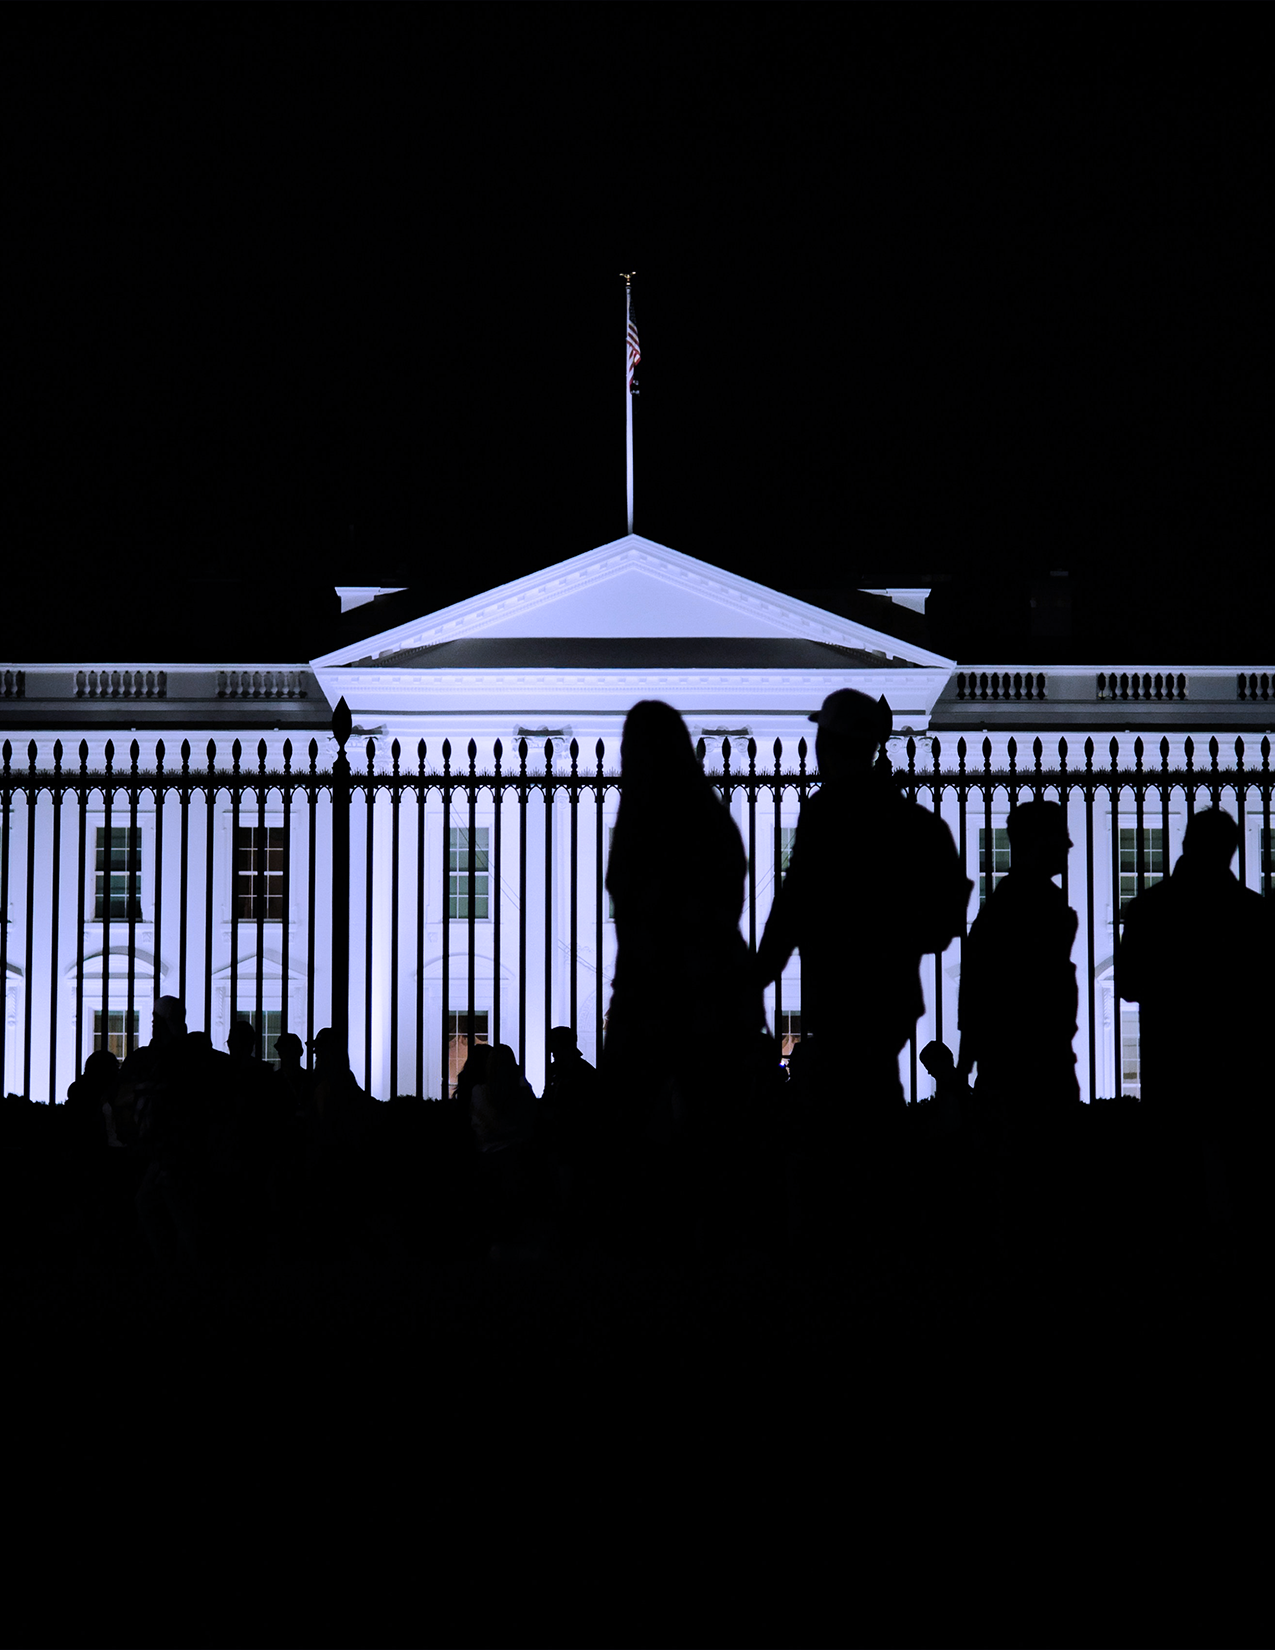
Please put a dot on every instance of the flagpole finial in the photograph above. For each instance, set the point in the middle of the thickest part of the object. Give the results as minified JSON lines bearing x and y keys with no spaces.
{"x":628,"y":275}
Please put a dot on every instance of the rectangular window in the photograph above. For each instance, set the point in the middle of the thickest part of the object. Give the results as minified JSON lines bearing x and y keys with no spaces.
{"x":118,"y":874}
{"x":1152,"y":859}
{"x":1000,"y":860}
{"x":458,"y":1042}
{"x":1130,"y":1054}
{"x":259,"y":872}
{"x":274,"y":1028}
{"x":458,"y":861}
{"x":787,"y":839}
{"x":114,"y":1031}
{"x":789,"y":1030}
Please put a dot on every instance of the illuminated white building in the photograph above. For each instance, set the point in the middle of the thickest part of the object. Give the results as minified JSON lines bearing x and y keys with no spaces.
{"x":558,"y":656}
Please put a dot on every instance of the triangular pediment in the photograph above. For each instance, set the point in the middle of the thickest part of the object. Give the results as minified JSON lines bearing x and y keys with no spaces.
{"x":632,"y":587}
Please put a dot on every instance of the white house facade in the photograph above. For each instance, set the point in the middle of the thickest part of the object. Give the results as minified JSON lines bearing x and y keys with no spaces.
{"x":474,"y":883}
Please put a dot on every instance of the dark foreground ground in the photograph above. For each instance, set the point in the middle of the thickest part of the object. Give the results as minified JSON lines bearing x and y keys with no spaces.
{"x":1060,"y":1438}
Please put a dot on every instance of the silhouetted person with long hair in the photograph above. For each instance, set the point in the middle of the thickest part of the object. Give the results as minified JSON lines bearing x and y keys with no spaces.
{"x":676,"y":878}
{"x":1019,"y":999}
{"x":1196,"y":955}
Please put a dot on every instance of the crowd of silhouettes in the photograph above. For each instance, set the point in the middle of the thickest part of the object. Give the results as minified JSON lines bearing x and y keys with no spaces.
{"x":709,"y":1147}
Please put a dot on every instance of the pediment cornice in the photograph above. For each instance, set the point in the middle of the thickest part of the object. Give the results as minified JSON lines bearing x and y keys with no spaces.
{"x":758,"y":608}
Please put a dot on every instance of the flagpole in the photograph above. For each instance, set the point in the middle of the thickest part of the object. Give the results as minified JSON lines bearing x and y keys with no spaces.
{"x":628,"y":401}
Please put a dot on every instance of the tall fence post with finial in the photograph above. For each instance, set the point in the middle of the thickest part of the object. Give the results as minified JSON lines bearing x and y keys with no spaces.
{"x":342,"y":722}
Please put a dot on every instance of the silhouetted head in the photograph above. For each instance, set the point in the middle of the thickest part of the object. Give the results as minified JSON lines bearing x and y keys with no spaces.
{"x":476,"y":1069}
{"x":199,"y":1044}
{"x":852,"y":729}
{"x":503,"y":1069}
{"x":289,"y":1047}
{"x":170,"y":1020}
{"x":1038,"y":838}
{"x":937,"y":1058}
{"x":562,"y":1043}
{"x":101,"y":1070}
{"x":655,"y":746}
{"x":327,"y":1050}
{"x":242,"y":1041}
{"x":1211,"y":840}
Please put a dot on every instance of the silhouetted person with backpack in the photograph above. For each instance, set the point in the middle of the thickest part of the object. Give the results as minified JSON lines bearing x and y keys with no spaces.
{"x":1196,"y":955}
{"x":1019,"y":998}
{"x":873,"y":884}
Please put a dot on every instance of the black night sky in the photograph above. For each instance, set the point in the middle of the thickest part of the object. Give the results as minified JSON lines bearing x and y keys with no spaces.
{"x":953,"y":296}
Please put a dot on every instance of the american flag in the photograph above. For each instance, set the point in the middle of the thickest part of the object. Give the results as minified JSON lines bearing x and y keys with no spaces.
{"x":635,"y":354}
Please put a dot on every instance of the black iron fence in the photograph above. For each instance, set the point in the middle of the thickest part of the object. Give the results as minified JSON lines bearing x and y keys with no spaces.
{"x":296,"y":845}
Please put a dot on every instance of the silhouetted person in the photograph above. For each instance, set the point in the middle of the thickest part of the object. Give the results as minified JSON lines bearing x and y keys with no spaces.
{"x":1196,"y":956}
{"x":1018,"y":998}
{"x":340,"y":1105}
{"x":567,"y":1114}
{"x":88,"y":1100}
{"x":171,"y":1128}
{"x":503,"y":1111}
{"x":950,"y":1087}
{"x":502,"y":1105}
{"x":678,"y":1102}
{"x":873,"y":884}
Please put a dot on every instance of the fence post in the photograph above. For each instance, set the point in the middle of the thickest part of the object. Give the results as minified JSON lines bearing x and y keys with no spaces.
{"x":5,"y":796}
{"x":342,"y":722}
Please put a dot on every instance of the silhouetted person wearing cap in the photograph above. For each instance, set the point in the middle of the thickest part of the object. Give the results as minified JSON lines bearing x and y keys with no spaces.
{"x":1019,"y":999}
{"x":873,"y":884}
{"x":1196,"y":955}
